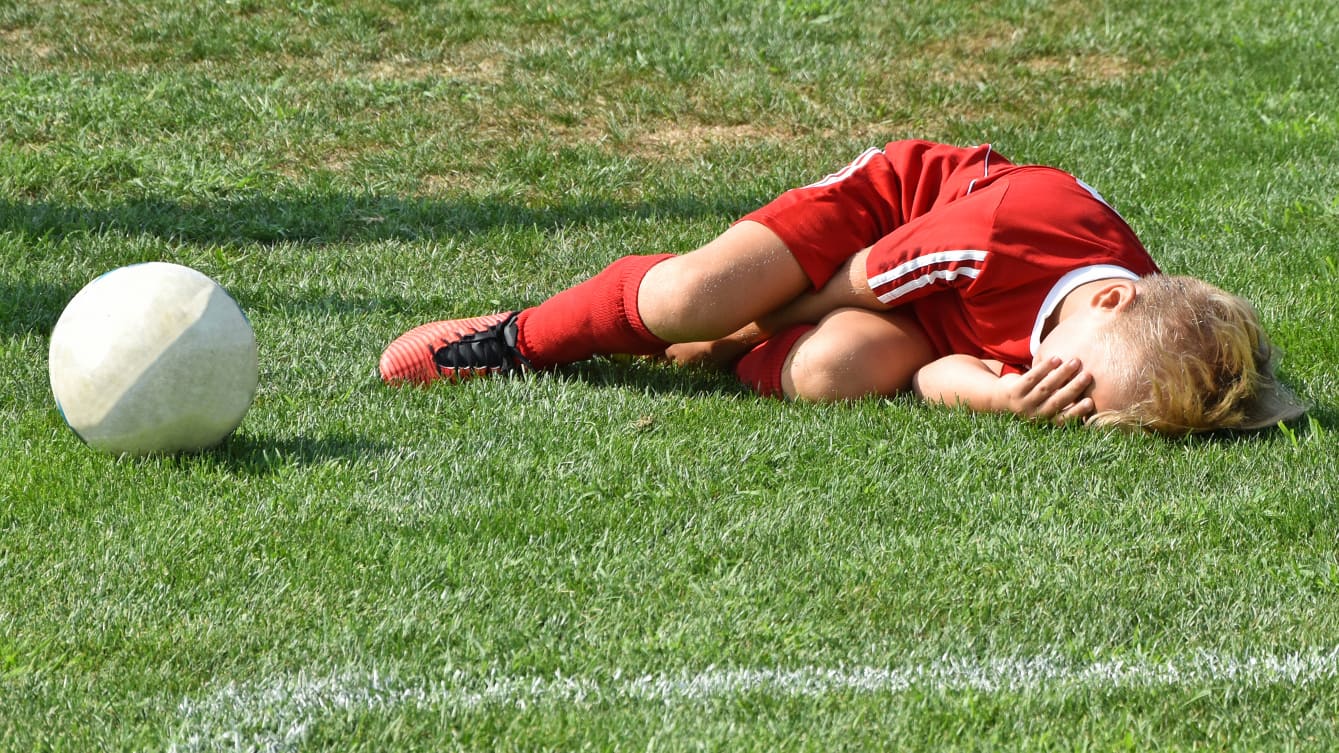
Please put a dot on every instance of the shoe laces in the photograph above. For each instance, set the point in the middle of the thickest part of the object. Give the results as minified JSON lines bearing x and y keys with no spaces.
{"x":492,"y":349}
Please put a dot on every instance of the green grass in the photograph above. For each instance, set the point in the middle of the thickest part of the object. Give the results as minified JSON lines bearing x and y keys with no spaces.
{"x":510,"y":565}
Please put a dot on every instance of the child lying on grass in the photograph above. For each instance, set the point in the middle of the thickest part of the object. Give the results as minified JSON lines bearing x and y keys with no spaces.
{"x":948,"y":271}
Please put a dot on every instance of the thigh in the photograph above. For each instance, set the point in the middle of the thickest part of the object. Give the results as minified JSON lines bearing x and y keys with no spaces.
{"x":744,"y":273}
{"x":853,"y":353}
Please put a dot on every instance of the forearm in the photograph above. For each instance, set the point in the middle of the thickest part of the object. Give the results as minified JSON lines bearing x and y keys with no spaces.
{"x":848,"y":288}
{"x":958,"y":380}
{"x":1050,"y":390}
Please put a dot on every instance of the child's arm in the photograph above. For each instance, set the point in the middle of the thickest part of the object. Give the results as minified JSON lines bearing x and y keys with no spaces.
{"x":1052,"y":390}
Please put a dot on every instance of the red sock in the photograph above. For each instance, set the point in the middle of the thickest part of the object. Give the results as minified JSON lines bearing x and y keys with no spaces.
{"x":760,"y":369}
{"x":596,"y":317}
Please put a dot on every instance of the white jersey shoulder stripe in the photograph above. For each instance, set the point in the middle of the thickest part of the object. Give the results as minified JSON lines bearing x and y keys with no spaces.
{"x":1092,"y":191}
{"x":1097,"y":196}
{"x":927,"y":279}
{"x":985,"y":168}
{"x":921,"y":262}
{"x":847,"y":171}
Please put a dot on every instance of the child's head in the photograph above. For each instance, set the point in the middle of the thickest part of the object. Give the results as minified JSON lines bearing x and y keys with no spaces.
{"x":1199,"y":361}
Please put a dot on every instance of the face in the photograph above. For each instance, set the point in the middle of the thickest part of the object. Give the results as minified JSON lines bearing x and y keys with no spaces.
{"x":1083,"y":337}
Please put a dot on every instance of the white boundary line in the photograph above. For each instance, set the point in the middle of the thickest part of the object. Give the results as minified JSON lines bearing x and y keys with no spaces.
{"x":276,"y":715}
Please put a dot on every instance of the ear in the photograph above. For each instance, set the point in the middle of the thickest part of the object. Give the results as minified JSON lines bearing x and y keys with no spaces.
{"x":1113,"y":295}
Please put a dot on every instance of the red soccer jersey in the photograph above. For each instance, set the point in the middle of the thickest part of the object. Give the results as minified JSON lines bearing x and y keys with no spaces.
{"x":983,"y":250}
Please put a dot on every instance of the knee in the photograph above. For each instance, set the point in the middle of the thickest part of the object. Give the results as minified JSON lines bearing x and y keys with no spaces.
{"x":676,"y":300}
{"x":853,"y":354}
{"x":823,"y":369}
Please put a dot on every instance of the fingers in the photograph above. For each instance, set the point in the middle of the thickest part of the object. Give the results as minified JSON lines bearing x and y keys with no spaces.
{"x":684,"y":353}
{"x":1055,"y":389}
{"x":1078,"y":411}
{"x":719,"y":353}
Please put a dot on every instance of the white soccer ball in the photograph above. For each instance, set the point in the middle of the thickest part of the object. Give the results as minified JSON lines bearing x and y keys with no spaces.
{"x":153,"y":358}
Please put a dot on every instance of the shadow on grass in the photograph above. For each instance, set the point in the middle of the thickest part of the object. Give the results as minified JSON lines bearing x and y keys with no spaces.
{"x":28,"y":305}
{"x":1317,"y":422}
{"x":252,"y":455}
{"x":258,"y":455}
{"x":340,"y":217}
{"x":654,"y":377}
{"x":32,"y":306}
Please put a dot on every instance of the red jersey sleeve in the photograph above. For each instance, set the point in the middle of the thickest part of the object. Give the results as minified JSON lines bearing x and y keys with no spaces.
{"x":980,"y":269}
{"x":946,"y":248}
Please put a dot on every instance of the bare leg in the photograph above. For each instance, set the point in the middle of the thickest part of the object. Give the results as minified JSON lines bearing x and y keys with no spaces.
{"x":848,"y":288}
{"x":855,"y":352}
{"x":709,"y":293}
{"x":636,"y":305}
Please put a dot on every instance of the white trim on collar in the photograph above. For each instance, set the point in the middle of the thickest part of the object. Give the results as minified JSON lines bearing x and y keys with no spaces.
{"x":1065,"y":285}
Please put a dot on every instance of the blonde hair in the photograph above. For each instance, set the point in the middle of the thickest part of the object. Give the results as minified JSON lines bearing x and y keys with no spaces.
{"x":1199,"y":361}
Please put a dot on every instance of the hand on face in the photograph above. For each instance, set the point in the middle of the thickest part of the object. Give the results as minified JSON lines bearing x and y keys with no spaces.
{"x":1053,"y":390}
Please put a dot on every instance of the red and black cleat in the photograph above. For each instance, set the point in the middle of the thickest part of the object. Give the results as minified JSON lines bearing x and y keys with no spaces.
{"x":454,"y":350}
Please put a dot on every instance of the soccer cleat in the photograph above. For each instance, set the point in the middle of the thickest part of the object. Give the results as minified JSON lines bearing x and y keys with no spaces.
{"x":454,"y":349}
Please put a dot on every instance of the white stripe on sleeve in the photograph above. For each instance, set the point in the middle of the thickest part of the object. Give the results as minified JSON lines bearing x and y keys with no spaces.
{"x":928,"y":260}
{"x":929,"y":278}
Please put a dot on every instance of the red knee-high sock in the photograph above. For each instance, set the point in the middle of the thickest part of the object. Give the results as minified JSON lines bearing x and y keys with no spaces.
{"x":760,"y":369}
{"x":596,"y":317}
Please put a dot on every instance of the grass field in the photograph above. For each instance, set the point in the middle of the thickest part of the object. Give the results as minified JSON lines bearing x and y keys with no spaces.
{"x":624,"y":556}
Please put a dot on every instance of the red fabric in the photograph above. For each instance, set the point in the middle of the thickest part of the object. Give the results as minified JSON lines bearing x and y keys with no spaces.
{"x":825,"y":223}
{"x":596,"y":317}
{"x":980,"y":270}
{"x":760,"y":368}
{"x":975,"y":244}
